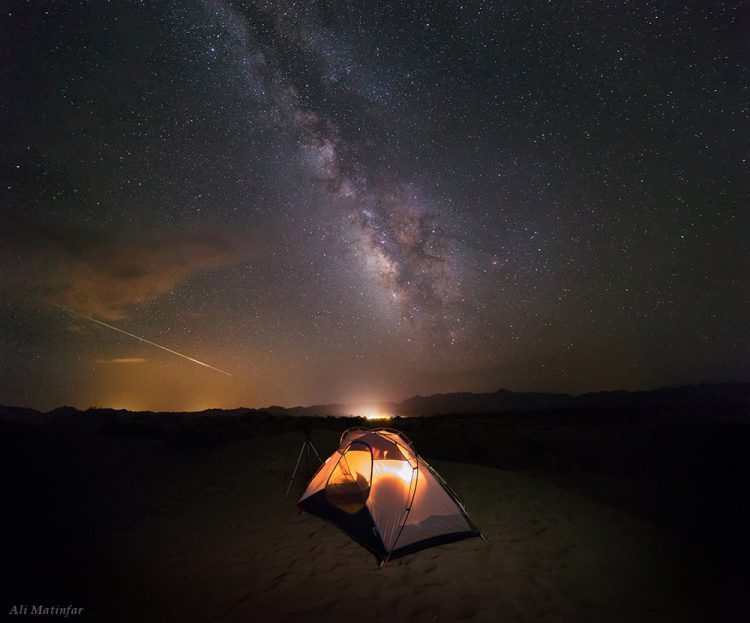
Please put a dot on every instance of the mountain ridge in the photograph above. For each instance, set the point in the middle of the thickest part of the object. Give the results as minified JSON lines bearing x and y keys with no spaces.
{"x":461,"y":403}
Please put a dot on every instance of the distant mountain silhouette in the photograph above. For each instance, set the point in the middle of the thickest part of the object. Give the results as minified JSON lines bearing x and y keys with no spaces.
{"x":713,"y":397}
{"x":465,"y":402}
{"x":503,"y":400}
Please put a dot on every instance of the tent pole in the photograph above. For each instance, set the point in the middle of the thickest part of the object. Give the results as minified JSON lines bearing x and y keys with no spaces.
{"x":415,"y":477}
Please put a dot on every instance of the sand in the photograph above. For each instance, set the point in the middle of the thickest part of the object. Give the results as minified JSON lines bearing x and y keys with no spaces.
{"x":209,"y":537}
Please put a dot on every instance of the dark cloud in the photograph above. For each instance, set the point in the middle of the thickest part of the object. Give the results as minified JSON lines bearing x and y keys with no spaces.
{"x":104,"y":275}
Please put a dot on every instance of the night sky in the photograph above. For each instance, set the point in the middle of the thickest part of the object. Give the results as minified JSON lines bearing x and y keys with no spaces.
{"x":362,"y":202}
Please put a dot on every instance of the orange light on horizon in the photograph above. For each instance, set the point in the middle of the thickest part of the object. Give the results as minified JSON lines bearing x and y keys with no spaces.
{"x":375,"y":414}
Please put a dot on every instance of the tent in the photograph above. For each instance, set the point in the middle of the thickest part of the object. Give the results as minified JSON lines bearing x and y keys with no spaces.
{"x":385,"y":496}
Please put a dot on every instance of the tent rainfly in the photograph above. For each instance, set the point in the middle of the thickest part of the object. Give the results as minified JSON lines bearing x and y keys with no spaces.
{"x":386,"y":497}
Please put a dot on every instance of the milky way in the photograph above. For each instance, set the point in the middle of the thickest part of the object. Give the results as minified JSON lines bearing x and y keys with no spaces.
{"x":399,"y":236}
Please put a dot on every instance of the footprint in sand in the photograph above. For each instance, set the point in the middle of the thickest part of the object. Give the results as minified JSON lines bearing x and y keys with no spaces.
{"x":429,"y":567}
{"x":269,"y":586}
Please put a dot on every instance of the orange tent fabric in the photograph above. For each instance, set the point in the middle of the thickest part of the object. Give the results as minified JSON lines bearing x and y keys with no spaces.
{"x":377,"y":489}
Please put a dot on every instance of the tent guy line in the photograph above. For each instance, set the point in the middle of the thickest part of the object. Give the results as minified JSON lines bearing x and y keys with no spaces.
{"x":142,"y":339}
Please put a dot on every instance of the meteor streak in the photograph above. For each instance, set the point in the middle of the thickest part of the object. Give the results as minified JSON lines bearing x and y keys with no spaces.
{"x":142,"y":339}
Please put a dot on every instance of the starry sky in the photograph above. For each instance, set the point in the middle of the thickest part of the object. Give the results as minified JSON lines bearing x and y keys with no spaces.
{"x":365,"y":201}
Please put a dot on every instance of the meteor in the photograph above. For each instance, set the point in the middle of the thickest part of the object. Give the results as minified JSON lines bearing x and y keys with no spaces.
{"x":141,"y":339}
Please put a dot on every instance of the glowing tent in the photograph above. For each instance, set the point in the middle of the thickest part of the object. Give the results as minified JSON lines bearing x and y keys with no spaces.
{"x":387,"y":498}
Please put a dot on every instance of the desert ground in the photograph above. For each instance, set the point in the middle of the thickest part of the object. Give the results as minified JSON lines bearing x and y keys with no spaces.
{"x":143,"y":527}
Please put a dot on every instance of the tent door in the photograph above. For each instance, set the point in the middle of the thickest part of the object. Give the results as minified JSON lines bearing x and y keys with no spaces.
{"x":348,"y":486}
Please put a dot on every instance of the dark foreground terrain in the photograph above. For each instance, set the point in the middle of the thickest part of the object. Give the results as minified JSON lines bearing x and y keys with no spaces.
{"x":591,"y":515}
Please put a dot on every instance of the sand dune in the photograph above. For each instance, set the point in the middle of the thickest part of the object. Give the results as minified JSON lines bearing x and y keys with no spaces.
{"x":211,"y":539}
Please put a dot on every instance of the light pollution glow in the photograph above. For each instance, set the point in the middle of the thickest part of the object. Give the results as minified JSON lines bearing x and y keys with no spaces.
{"x":375,"y":414}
